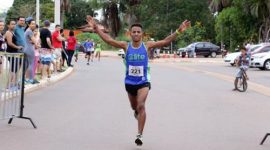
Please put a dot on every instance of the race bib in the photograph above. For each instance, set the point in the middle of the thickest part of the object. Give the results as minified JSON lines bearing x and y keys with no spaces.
{"x":136,"y":71}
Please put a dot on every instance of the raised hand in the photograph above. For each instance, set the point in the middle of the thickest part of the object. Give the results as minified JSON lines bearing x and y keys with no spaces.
{"x":91,"y":21}
{"x":184,"y":25}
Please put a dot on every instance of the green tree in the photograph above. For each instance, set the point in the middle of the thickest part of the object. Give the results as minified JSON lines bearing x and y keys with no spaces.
{"x":78,"y":12}
{"x":219,"y":5}
{"x":47,"y":11}
{"x":28,"y":8}
{"x":234,"y":27}
{"x":261,"y":10}
{"x":171,"y":13}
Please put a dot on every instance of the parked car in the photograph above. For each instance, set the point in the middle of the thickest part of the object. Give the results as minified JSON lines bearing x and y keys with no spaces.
{"x":230,"y":58}
{"x":254,"y":49}
{"x":205,"y":49}
{"x":121,"y":53}
{"x":181,"y":52}
{"x":261,"y":61}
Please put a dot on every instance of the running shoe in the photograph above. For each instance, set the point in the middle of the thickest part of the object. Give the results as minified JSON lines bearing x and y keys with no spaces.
{"x":139,"y":140}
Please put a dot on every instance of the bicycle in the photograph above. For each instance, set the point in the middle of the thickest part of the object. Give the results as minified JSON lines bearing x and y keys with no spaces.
{"x":240,"y":83}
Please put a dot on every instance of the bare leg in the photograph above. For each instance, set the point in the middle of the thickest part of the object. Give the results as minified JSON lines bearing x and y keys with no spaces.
{"x":133,"y":101}
{"x":88,"y":60}
{"x":141,"y":99}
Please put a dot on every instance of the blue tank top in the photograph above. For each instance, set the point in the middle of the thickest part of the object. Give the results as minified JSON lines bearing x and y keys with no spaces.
{"x":137,"y":68}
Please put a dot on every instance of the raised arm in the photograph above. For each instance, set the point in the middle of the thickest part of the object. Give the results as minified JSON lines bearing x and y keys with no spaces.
{"x":105,"y":37}
{"x":170,"y":38}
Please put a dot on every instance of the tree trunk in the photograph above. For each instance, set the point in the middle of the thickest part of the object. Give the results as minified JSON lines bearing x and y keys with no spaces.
{"x":62,"y":18}
{"x":260,"y":34}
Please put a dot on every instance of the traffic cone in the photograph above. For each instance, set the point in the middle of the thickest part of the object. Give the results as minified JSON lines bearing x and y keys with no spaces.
{"x":195,"y":55}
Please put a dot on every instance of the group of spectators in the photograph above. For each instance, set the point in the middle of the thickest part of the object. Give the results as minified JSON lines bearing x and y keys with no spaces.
{"x":45,"y":52}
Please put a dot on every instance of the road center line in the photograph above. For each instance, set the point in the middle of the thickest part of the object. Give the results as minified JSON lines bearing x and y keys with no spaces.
{"x":251,"y":85}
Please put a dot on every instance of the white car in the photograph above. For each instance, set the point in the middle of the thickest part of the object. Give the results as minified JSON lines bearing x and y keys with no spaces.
{"x":261,"y":61}
{"x":259,"y":48}
{"x":230,"y":58}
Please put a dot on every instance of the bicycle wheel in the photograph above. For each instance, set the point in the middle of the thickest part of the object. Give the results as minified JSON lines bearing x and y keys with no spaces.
{"x":240,"y":84}
{"x":245,"y":85}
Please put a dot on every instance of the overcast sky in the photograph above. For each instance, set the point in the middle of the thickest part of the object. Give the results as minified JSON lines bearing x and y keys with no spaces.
{"x":5,"y":4}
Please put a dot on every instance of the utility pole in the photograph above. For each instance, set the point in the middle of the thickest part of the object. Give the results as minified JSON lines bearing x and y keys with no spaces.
{"x":57,"y":11}
{"x":37,"y":12}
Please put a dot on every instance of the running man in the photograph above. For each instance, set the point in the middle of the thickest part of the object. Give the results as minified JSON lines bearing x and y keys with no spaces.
{"x":88,"y":46}
{"x":137,"y":80}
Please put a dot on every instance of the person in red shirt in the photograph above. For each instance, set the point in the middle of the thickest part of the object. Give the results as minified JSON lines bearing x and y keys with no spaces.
{"x":57,"y":44}
{"x":71,"y":46}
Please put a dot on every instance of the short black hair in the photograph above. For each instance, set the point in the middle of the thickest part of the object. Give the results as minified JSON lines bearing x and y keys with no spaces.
{"x":136,"y":25}
{"x":71,"y":33}
{"x":243,"y":48}
{"x":20,"y":17}
{"x":61,"y":30}
{"x":8,"y":23}
{"x":57,"y":26}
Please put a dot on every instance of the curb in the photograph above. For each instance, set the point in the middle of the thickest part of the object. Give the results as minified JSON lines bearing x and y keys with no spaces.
{"x":47,"y":82}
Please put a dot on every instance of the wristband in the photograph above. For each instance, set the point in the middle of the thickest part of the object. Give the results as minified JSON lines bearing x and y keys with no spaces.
{"x":177,"y":32}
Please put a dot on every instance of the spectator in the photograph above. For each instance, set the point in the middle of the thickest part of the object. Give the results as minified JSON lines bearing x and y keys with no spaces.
{"x":71,"y":46}
{"x":57,"y":44}
{"x":64,"y":51}
{"x":2,"y":43}
{"x":98,"y":50}
{"x":76,"y":53}
{"x":19,"y":31}
{"x":29,"y":50}
{"x":46,"y":49}
{"x":37,"y":48}
{"x":11,"y":40}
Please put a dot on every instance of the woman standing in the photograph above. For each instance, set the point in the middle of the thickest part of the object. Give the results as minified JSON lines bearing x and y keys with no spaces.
{"x":12,"y":48}
{"x":29,"y":49}
{"x":71,"y":46}
{"x":37,"y":49}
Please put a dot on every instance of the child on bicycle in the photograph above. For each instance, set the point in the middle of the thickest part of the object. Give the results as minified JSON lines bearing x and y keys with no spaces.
{"x":242,"y":62}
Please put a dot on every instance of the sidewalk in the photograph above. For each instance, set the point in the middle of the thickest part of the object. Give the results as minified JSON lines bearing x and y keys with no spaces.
{"x":49,"y":81}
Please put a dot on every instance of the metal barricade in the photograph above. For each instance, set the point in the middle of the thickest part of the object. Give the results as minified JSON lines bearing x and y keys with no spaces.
{"x":12,"y":74}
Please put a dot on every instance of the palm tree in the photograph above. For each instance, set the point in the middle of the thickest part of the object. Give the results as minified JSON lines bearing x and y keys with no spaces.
{"x":111,"y":13}
{"x":65,"y":7}
{"x":111,"y":17}
{"x":261,"y":10}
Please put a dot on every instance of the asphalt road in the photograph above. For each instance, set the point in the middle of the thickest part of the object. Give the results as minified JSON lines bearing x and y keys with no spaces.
{"x":190,"y":107}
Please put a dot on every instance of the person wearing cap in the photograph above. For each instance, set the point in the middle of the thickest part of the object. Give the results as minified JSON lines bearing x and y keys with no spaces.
{"x":46,"y":49}
{"x":19,"y":31}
